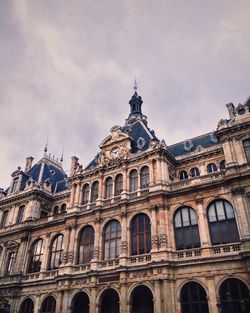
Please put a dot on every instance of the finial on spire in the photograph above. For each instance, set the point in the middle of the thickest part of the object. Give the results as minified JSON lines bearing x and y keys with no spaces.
{"x":46,"y":147}
{"x":135,"y":86}
{"x":61,"y":160}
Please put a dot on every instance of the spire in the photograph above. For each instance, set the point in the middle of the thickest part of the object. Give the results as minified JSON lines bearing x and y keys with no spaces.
{"x":61,"y":160}
{"x":46,"y":147}
{"x":136,"y":101}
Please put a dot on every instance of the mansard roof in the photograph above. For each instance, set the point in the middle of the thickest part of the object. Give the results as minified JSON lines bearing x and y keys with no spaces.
{"x":194,"y":144}
{"x":49,"y":170}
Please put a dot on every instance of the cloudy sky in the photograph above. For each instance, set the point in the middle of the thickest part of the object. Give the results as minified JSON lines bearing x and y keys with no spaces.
{"x":67,"y":70}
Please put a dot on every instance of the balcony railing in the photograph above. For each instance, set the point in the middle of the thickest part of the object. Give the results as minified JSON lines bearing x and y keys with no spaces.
{"x":145,"y":258}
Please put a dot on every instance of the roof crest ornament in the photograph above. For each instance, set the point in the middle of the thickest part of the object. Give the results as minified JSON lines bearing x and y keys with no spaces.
{"x":135,"y":86}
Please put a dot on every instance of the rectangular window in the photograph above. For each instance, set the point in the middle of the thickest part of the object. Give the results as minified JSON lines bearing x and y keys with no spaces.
{"x":246,"y":145}
{"x":10,"y":262}
{"x":20,"y":214}
{"x":14,"y":185}
{"x":4,"y":219}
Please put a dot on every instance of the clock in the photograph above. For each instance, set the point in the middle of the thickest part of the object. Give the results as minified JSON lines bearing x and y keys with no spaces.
{"x":115,"y":152}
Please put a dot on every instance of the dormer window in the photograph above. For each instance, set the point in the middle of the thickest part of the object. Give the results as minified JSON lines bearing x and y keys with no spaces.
{"x":183,"y":175}
{"x":14,"y":185}
{"x":211,"y":168}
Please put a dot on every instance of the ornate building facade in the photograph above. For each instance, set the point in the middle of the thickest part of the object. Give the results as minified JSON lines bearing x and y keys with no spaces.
{"x":144,"y":228}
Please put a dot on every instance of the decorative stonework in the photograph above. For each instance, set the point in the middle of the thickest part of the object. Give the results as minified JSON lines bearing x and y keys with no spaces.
{"x":236,"y":191}
{"x":124,"y":247}
{"x":70,"y":257}
{"x":139,"y":274}
{"x":140,"y":142}
{"x":96,"y":253}
{"x":64,"y":257}
{"x":199,"y":200}
{"x":155,"y":242}
{"x":163,"y":240}
{"x":188,"y":144}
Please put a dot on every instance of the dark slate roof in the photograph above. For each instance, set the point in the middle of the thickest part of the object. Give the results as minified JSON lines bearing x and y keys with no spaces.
{"x":141,"y":136}
{"x":51,"y":172}
{"x":247,"y":103}
{"x":184,"y":147}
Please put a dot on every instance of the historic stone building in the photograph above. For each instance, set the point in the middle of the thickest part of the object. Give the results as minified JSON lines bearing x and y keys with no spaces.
{"x":144,"y":228}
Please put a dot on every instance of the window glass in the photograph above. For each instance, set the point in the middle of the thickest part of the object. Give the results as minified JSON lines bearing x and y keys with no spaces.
{"x":185,"y":217}
{"x":133,"y":181}
{"x":118,"y":184}
{"x":140,"y":234}
{"x":177,"y":219}
{"x":4,"y":218}
{"x":223,"y":228}
{"x":195,"y":172}
{"x":86,"y":194}
{"x":56,"y":252}
{"x":144,"y":177}
{"x":108,"y":187}
{"x":94,"y":191}
{"x":112,"y":240}
{"x":10,"y":262}
{"x":36,"y":253}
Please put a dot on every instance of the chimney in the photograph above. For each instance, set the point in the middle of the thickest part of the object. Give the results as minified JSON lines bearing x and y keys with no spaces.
{"x":231,"y":112}
{"x":28,"y":163}
{"x":74,"y":162}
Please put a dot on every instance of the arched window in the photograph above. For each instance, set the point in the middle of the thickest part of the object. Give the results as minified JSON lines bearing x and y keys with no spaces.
{"x":144,"y":177}
{"x":195,"y":172}
{"x":142,"y":300}
{"x":86,"y":245}
{"x":56,"y":251}
{"x":108,"y":187}
{"x":133,"y":181}
{"x":222,"y":165}
{"x":94,"y":191}
{"x":48,"y":305}
{"x":211,"y":168}
{"x":234,"y":296}
{"x":56,"y":210}
{"x":4,"y":218}
{"x":63,"y":208}
{"x":140,"y":234}
{"x":186,"y":229}
{"x":85,"y":197}
{"x":109,"y":301}
{"x":112,"y":240}
{"x":80,"y":303}
{"x":118,"y":184}
{"x":27,"y":306}
{"x":222,"y":224}
{"x":193,"y":298}
{"x":246,"y":145}
{"x":36,"y":253}
{"x":183,"y":175}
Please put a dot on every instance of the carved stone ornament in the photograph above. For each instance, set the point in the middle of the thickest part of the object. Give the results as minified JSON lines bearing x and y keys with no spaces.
{"x":222,"y":124}
{"x":163,"y":239}
{"x":154,"y":144}
{"x":64,"y":257}
{"x":155,"y":242}
{"x":96,"y":253}
{"x":140,"y":274}
{"x":236,"y":191}
{"x":199,"y":200}
{"x":140,"y":142}
{"x":213,"y":138}
{"x":70,"y":257}
{"x":188,"y":144}
{"x":124,"y":247}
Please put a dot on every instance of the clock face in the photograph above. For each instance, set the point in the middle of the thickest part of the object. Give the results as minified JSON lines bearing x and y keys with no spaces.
{"x":115,"y":152}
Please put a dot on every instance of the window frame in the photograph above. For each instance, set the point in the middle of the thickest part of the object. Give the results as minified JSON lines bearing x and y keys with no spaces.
{"x":85,"y":194}
{"x":48,"y":302}
{"x":186,"y":231}
{"x":37,"y":244}
{"x":133,"y":180}
{"x":95,"y":191}
{"x":87,"y":243}
{"x":110,"y":238}
{"x":20,"y":214}
{"x":56,"y":252}
{"x":108,"y":190}
{"x":246,"y":148}
{"x":118,"y":184}
{"x":144,"y":177}
{"x":136,"y":234}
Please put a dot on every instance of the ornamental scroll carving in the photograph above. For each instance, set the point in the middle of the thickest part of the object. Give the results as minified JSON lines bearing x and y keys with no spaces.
{"x":124,"y":247}
{"x":96,"y":253}
{"x":155,"y":242}
{"x":163,"y":240}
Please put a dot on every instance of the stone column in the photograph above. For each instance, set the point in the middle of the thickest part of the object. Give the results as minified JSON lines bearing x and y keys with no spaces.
{"x":157,"y":297}
{"x":93,"y":304}
{"x":124,"y":241}
{"x":212,"y":301}
{"x":77,"y":194}
{"x":163,"y":240}
{"x":154,"y":234}
{"x":72,"y":195}
{"x":241,"y":212}
{"x":66,"y":239}
{"x":158,"y":171}
{"x":202,"y":222}
{"x":123,"y":302}
{"x":71,"y":244}
{"x":59,"y":300}
{"x":46,"y":249}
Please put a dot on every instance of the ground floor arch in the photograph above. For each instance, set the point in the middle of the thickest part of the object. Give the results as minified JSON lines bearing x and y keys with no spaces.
{"x":234,"y":296}
{"x":109,"y":302}
{"x":80,"y":303}
{"x":193,"y":298}
{"x":142,"y":300}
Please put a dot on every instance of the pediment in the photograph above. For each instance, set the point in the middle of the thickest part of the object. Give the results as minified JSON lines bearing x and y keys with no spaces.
{"x":117,"y":136}
{"x":12,"y":245}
